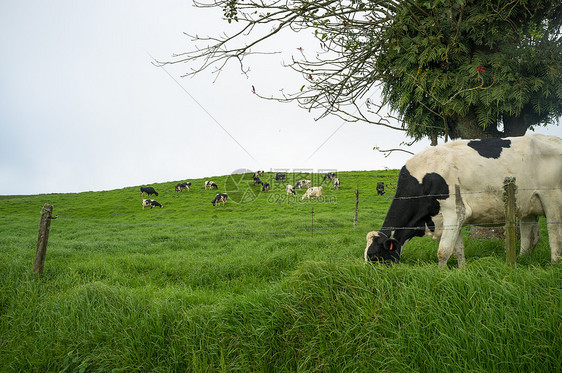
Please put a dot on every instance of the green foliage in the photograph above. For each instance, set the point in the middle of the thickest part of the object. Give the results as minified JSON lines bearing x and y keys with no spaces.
{"x":452,"y":68}
{"x":458,"y":67}
{"x":246,"y":287}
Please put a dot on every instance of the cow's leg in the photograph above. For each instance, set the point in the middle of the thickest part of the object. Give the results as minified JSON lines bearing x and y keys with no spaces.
{"x":454,"y":218}
{"x":529,"y":234}
{"x":553,"y":212}
{"x":448,"y":244}
{"x":459,"y":251}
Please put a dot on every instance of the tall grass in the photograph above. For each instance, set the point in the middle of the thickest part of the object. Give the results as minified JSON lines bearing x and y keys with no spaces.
{"x":246,"y":287}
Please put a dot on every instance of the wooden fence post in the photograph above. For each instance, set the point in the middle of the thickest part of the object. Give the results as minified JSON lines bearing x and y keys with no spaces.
{"x":356,"y":205}
{"x":43,"y":238}
{"x":510,"y":221}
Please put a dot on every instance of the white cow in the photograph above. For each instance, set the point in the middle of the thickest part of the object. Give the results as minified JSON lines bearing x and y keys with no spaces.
{"x":462,"y":182}
{"x":313,"y":192}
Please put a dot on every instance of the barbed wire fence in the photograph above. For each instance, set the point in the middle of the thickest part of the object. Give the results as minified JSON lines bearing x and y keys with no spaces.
{"x":316,"y":227}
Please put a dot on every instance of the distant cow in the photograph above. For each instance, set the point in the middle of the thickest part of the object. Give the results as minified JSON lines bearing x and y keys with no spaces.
{"x":291,"y":190}
{"x":336,"y":183}
{"x":257,"y":180}
{"x":220,"y":197}
{"x":280,"y":177}
{"x":258,"y":174}
{"x":462,"y":182}
{"x":182,"y":186}
{"x":313,"y":192}
{"x":150,"y":202}
{"x":329,"y":176}
{"x":380,"y":188}
{"x":303,"y":184}
{"x":266,"y":187}
{"x":210,"y":184}
{"x":148,"y":191}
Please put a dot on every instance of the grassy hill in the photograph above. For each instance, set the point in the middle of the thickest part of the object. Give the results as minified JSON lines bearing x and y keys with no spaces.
{"x":265,"y":283}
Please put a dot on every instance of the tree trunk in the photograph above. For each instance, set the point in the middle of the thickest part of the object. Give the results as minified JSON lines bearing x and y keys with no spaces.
{"x":433,"y":138}
{"x":467,"y":127}
{"x":518,"y":126}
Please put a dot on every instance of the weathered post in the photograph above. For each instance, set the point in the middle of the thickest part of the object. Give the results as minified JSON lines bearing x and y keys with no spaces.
{"x":43,"y":238}
{"x":356,"y":205}
{"x":510,"y":220}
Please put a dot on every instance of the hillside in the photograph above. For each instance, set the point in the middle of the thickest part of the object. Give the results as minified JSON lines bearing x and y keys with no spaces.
{"x":264,"y":283}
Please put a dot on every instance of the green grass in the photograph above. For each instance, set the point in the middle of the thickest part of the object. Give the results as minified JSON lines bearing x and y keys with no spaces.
{"x":247,"y":287}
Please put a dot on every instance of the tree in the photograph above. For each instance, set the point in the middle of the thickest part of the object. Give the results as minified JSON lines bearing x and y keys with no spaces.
{"x":452,"y":68}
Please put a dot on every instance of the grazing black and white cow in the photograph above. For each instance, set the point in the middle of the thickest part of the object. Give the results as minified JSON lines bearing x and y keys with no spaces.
{"x":220,"y":197}
{"x":257,"y":180}
{"x":266,"y":187}
{"x":279,"y":177}
{"x":150,"y":202}
{"x":380,"y":188}
{"x":291,"y":190}
{"x":329,"y":176}
{"x":303,"y":184}
{"x":182,"y":186}
{"x":148,"y":191}
{"x":210,"y":184}
{"x":259,"y":174}
{"x":462,"y":182}
{"x":336,"y":183}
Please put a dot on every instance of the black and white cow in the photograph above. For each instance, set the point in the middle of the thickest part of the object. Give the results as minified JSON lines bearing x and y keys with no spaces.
{"x":210,"y":184}
{"x":303,"y":184}
{"x":266,"y":187}
{"x":182,"y":186}
{"x":279,"y":177}
{"x":148,"y":191}
{"x":445,"y":187}
{"x":259,"y":173}
{"x":220,"y":197}
{"x":150,"y":202}
{"x":329,"y":176}
{"x":291,"y":190}
{"x":336,"y":183}
{"x":257,"y":180}
{"x":380,"y":188}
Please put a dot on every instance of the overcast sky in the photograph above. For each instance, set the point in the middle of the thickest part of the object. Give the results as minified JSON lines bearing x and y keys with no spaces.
{"x":83,"y":108}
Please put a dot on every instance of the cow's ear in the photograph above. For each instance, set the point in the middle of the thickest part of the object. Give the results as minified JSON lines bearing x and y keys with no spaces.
{"x":392,"y":244}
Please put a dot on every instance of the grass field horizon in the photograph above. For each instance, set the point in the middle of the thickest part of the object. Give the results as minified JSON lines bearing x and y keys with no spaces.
{"x":266,"y":283}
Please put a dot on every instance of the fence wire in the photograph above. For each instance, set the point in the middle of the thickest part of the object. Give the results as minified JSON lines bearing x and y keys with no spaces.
{"x":295,"y":205}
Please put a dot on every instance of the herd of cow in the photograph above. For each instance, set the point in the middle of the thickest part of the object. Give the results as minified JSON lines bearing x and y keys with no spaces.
{"x":446,"y":187}
{"x":311,"y":192}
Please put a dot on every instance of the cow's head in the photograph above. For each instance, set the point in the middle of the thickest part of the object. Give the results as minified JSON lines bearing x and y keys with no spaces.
{"x":381,"y":248}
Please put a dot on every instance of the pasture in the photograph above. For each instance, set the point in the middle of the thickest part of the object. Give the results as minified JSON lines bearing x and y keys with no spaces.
{"x":265,"y":283}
